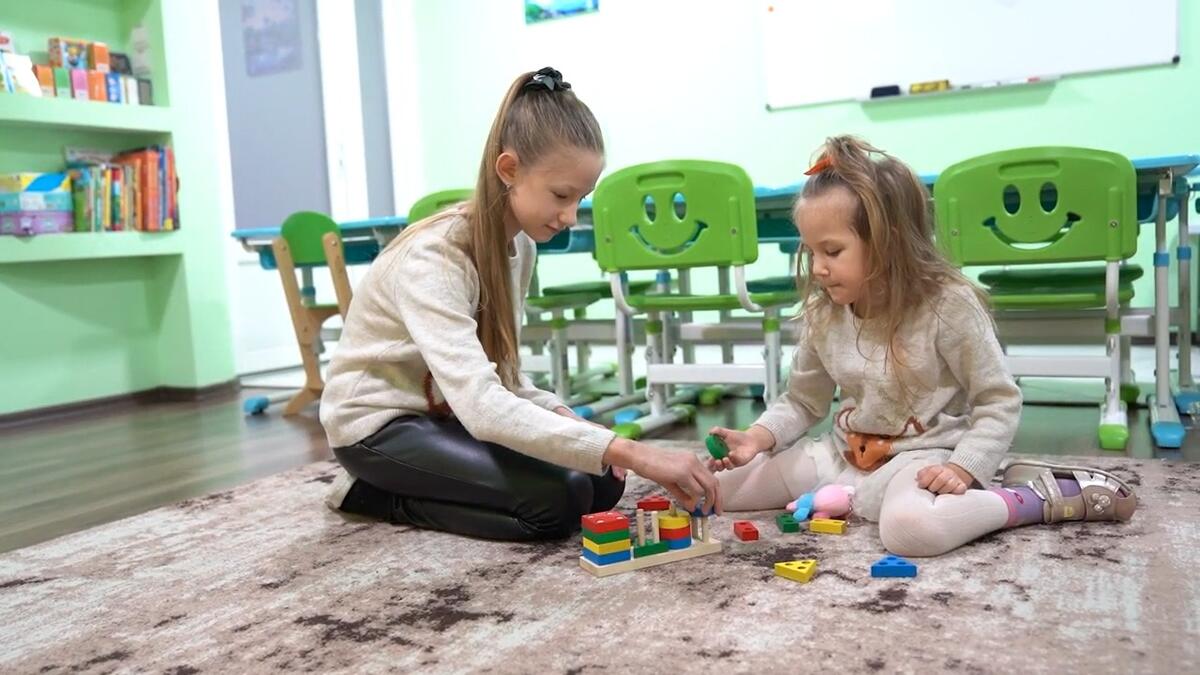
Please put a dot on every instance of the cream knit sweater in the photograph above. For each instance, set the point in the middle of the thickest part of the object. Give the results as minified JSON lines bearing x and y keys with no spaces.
{"x":409,"y":347}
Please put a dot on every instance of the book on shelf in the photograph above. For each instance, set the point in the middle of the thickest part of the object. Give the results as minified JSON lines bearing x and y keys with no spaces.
{"x":131,"y":190}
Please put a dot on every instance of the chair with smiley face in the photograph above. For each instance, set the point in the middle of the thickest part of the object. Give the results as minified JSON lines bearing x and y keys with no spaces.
{"x":684,"y":215}
{"x":1050,"y":205}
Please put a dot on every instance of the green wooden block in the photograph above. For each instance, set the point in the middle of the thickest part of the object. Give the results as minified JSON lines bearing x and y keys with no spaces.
{"x":605,"y":537}
{"x":716,"y":447}
{"x":649,"y":549}
{"x":787,"y":523}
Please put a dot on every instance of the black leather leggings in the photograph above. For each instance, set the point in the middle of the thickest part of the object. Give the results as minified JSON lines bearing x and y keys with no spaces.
{"x":431,"y":473}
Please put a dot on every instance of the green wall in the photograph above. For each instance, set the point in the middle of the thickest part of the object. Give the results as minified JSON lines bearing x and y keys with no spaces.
{"x":77,"y":328}
{"x":685,"y":79}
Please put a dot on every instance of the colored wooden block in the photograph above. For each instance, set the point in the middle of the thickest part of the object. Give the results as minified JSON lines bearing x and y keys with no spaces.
{"x":786,"y":523}
{"x":697,"y":549}
{"x":619,"y":556}
{"x":676,"y":544}
{"x":674,"y":522}
{"x":654,"y":503}
{"x":716,"y":447}
{"x":827,"y":526}
{"x":606,"y":521}
{"x":679,"y":533}
{"x":605,"y":549}
{"x":893,"y":566}
{"x":605,"y":537}
{"x":745,"y":530}
{"x":650,"y":549}
{"x":796,"y":570}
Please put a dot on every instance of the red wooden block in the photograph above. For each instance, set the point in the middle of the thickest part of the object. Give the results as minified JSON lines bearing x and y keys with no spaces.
{"x":677,"y":533}
{"x":745,"y":530}
{"x":654,"y":503}
{"x":606,"y":521}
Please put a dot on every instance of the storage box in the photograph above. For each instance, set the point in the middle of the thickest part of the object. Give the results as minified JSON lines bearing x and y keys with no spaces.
{"x":45,"y":78}
{"x":35,"y":182}
{"x":11,"y":202}
{"x":79,"y":83}
{"x":114,"y":87}
{"x":62,"y":82}
{"x":28,"y":223}
{"x":68,"y":53}
{"x":98,"y":56}
{"x":97,"y":85}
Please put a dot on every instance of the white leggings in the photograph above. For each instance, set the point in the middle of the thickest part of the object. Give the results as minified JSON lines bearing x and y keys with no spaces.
{"x":913,"y":522}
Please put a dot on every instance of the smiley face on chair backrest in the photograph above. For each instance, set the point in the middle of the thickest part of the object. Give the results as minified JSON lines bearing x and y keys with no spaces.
{"x":675,"y":214}
{"x":1037,"y":205}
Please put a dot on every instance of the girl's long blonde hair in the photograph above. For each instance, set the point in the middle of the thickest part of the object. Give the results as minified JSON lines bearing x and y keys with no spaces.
{"x":539,"y":114}
{"x":893,"y":219}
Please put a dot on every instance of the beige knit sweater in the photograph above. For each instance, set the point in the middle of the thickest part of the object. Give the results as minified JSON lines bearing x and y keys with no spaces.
{"x":409,"y":347}
{"x":959,"y":395}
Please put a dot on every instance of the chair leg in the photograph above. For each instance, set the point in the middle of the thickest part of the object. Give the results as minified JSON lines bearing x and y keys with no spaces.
{"x":624,"y":340}
{"x":772,"y":354}
{"x":300,"y":401}
{"x":582,"y":349}
{"x":656,"y":393}
{"x":314,"y":385}
{"x":1129,"y":386}
{"x":558,"y":355}
{"x":1114,"y":425}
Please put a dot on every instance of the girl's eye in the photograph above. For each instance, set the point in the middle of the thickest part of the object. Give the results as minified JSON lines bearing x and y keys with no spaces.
{"x":560,"y":196}
{"x":833,"y":254}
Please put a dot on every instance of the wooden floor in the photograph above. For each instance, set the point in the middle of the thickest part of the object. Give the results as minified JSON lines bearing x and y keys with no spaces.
{"x":64,"y":477}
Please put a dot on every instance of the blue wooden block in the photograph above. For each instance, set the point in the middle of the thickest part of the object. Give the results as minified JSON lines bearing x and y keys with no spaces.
{"x":893,"y":566}
{"x":608,"y":558}
{"x":676,"y":544}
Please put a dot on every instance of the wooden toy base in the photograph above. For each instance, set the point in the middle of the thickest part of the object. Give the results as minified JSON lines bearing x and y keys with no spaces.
{"x":697,"y":549}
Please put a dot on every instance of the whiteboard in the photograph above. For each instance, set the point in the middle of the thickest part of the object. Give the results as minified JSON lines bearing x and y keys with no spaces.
{"x":818,"y":51}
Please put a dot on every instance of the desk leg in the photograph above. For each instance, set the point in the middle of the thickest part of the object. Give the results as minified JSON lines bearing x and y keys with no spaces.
{"x":1187,"y":398}
{"x":1164,"y":418}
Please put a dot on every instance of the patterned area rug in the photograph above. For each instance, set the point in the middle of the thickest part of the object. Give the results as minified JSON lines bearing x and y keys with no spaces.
{"x":264,"y":578}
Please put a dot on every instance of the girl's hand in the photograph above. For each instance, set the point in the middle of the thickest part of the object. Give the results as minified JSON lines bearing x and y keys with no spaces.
{"x":679,"y":471}
{"x":743,"y":446}
{"x":682,"y":474}
{"x":944,"y":479}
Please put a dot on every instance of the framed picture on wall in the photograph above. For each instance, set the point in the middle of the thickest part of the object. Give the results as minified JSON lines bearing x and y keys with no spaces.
{"x":537,"y":11}
{"x":271,"y":34}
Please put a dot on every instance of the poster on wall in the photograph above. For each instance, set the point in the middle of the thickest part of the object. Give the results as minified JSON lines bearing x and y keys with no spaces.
{"x":271,"y":34}
{"x":537,"y":11}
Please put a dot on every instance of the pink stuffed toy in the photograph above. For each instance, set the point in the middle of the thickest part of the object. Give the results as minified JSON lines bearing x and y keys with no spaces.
{"x":831,"y":501}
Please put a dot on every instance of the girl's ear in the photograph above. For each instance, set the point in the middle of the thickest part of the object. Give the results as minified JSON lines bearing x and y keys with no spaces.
{"x":507,"y":165}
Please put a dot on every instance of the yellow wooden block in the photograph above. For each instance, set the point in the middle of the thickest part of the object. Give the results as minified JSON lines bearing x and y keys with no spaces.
{"x":827,"y":526}
{"x":796,"y":570}
{"x":604,"y":549}
{"x":674,"y":522}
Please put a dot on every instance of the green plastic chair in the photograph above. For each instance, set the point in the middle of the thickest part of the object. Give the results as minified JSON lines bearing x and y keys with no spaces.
{"x":309,"y":239}
{"x":1049,"y":205}
{"x":436,"y":201}
{"x":685,"y":214}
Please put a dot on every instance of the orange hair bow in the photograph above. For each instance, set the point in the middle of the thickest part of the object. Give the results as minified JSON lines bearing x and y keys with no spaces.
{"x":820,"y":165}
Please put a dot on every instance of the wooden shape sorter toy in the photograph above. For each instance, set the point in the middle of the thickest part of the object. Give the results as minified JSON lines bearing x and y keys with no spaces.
{"x":673,"y":535}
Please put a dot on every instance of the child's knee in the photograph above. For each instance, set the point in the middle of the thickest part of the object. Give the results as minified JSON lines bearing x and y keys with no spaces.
{"x":913,"y":532}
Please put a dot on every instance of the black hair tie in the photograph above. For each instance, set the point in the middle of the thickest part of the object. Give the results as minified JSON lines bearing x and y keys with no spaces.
{"x":549,"y":78}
